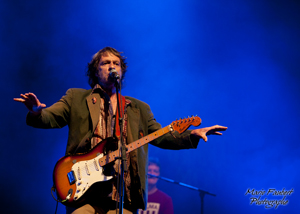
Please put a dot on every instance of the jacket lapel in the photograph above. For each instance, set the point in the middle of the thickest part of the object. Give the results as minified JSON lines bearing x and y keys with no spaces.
{"x":133,"y":118}
{"x":93,"y":101}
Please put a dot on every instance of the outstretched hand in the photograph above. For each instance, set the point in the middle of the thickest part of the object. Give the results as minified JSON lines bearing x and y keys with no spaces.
{"x":31,"y":102}
{"x":212,"y":130}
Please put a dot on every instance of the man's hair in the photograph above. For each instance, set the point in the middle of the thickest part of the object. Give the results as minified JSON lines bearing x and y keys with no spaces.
{"x":153,"y":160}
{"x":93,"y":65}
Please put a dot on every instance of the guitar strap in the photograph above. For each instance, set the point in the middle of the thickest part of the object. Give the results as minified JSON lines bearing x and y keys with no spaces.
{"x":117,"y":133}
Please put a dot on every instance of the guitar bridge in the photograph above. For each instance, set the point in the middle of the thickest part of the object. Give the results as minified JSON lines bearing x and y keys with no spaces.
{"x":71,"y":177}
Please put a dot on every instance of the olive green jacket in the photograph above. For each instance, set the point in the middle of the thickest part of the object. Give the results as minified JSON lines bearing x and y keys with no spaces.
{"x":79,"y":109}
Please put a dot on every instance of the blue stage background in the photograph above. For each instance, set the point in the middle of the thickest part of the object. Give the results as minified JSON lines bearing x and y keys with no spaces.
{"x":232,"y":63}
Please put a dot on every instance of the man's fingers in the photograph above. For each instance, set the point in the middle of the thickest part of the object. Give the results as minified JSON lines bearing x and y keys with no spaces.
{"x":219,"y":128}
{"x":214,"y":130}
{"x":38,"y":108}
{"x":19,"y":100}
{"x":24,"y":96}
{"x":32,"y":97}
{"x":29,"y":98}
{"x":217,"y":133}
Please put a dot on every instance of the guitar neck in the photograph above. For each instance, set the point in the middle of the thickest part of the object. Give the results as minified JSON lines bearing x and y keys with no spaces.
{"x":134,"y":145}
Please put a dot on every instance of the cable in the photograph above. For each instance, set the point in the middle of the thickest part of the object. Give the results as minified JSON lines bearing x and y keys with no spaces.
{"x":53,"y":189}
{"x":56,"y":207}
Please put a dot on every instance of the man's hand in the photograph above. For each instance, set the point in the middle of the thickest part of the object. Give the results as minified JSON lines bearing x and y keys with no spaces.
{"x":31,"y":102}
{"x":213,"y":130}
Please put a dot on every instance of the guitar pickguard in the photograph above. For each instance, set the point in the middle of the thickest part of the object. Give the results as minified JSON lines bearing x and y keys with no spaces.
{"x":87,"y":173}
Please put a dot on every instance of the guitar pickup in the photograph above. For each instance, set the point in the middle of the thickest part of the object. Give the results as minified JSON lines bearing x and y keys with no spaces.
{"x":71,"y":177}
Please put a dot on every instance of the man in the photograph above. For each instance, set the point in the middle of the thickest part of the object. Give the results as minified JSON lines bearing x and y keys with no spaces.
{"x":158,"y":201}
{"x":91,"y":117}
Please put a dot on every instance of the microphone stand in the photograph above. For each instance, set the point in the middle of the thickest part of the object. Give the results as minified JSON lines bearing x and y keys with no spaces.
{"x":123,"y":148}
{"x":202,"y":193}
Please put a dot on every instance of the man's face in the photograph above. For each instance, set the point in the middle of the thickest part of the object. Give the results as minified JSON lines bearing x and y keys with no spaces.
{"x":154,"y":170}
{"x":107,"y":62}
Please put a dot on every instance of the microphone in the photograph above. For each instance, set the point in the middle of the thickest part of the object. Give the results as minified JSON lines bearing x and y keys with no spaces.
{"x":113,"y":74}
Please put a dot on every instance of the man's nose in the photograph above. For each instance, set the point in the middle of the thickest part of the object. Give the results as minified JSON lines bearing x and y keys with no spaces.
{"x":112,"y":66}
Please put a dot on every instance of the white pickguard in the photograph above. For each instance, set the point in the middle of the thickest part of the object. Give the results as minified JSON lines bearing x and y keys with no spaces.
{"x":87,"y":173}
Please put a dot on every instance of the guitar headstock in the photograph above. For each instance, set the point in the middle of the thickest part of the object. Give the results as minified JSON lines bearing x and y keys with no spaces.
{"x":183,"y":124}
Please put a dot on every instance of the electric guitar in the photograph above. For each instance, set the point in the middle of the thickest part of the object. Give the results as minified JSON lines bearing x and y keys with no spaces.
{"x":75,"y":175}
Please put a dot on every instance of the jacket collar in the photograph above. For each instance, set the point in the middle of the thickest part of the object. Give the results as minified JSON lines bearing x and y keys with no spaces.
{"x":94,"y":101}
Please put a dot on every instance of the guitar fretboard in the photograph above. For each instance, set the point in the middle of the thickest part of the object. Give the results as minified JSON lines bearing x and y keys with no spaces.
{"x":134,"y":145}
